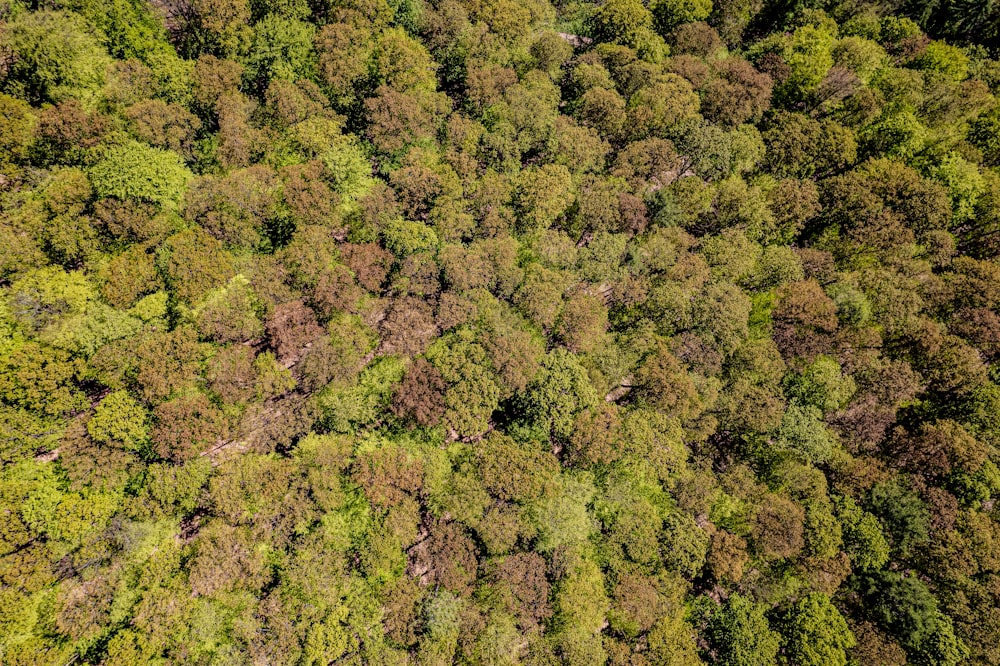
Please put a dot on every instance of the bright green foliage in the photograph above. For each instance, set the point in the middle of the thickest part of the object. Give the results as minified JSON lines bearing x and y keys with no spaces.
{"x":945,"y":58}
{"x":40,"y":379}
{"x":562,"y":518}
{"x":121,"y":420}
{"x":740,"y":636}
{"x":809,"y":54}
{"x":864,"y":540}
{"x":282,"y":49}
{"x":560,"y":392}
{"x":56,"y":57}
{"x":129,"y":29}
{"x":42,"y":297}
{"x":815,"y":633}
{"x":900,"y":135}
{"x":473,"y":391}
{"x":965,"y":185}
{"x":668,"y":14}
{"x":405,"y":237}
{"x":853,"y":307}
{"x":85,"y":333}
{"x":621,"y":21}
{"x":360,"y":404}
{"x":17,"y":126}
{"x":544,"y":195}
{"x":136,"y":172}
{"x":685,"y":544}
{"x":802,"y":431}
{"x":580,"y":600}
{"x":862,"y":56}
{"x":821,"y":384}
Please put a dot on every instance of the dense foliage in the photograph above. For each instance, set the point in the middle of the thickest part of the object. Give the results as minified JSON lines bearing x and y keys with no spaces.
{"x":432,"y":332}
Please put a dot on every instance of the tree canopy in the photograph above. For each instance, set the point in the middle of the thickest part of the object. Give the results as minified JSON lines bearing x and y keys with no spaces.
{"x":500,"y":333}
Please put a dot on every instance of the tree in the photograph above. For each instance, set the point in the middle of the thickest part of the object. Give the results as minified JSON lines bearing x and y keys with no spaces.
{"x":803,"y":431}
{"x":582,"y":322}
{"x":134,"y":171}
{"x":420,"y":395}
{"x":282,"y":49}
{"x":230,"y":314}
{"x":41,"y":379}
{"x":450,"y":557}
{"x":516,"y":472}
{"x":778,"y":530}
{"x":212,"y":78}
{"x":740,"y":636}
{"x":162,"y":362}
{"x":67,"y":132}
{"x":863,"y":537}
{"x":668,"y":14}
{"x":544,"y":194}
{"x":240,"y":210}
{"x":167,"y":126}
{"x":343,"y":52}
{"x":802,"y":147}
{"x":290,"y":328}
{"x":659,"y":108}
{"x":309,"y":198}
{"x":539,"y":296}
{"x":596,"y":437}
{"x":560,"y":391}
{"x":808,"y":54}
{"x":620,"y":21}
{"x":56,"y":57}
{"x":389,"y":475}
{"x":903,"y":605}
{"x":187,"y":426}
{"x":408,"y":327}
{"x":802,"y":317}
{"x":662,"y":382}
{"x":821,"y":384}
{"x":17,"y":127}
{"x":525,"y":589}
{"x":194,"y":263}
{"x":737,"y":94}
{"x":814,"y":632}
{"x":131,"y":221}
{"x":231,"y":374}
{"x":121,"y":420}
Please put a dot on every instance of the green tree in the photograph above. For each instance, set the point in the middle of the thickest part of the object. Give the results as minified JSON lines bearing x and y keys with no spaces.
{"x":120,"y":419}
{"x":803,"y":431}
{"x":821,"y":384}
{"x":56,"y":57}
{"x":903,"y":513}
{"x":668,"y":14}
{"x":864,"y":540}
{"x":17,"y":127}
{"x":814,"y":633}
{"x":558,"y":394}
{"x":905,"y":606}
{"x":133,"y":171}
{"x":739,"y":634}
{"x":282,"y":49}
{"x":620,"y":21}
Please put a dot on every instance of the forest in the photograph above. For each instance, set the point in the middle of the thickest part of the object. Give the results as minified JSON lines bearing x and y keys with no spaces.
{"x":499,"y":332}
